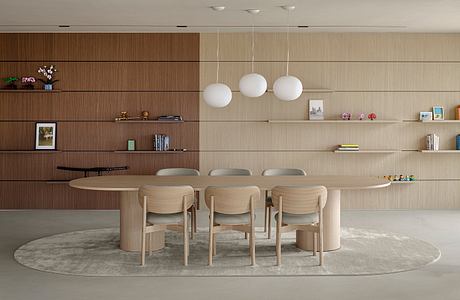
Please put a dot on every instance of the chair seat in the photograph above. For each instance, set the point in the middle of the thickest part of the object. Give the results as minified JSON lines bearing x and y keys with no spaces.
{"x":300,"y":219}
{"x":154,"y":218}
{"x":227,"y":219}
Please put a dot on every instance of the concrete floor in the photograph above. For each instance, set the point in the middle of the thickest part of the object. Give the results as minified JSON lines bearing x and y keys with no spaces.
{"x":440,"y":280}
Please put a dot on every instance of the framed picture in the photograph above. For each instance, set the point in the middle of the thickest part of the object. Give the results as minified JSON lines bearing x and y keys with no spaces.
{"x":315,"y":110}
{"x":438,"y":113}
{"x":426,"y":116}
{"x":45,"y":136}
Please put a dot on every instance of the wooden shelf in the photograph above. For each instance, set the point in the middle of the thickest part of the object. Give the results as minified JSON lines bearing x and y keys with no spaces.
{"x":149,"y":152}
{"x":29,"y":151}
{"x":311,"y":90}
{"x":439,"y":151}
{"x":368,"y":151}
{"x":403,"y":182}
{"x":29,"y":91}
{"x":149,"y":121}
{"x":433,"y":121}
{"x":367,"y":122}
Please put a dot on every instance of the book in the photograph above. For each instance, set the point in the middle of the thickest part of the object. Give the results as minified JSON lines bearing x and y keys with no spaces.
{"x":347,"y":149}
{"x":349,"y":145}
{"x":432,"y":142}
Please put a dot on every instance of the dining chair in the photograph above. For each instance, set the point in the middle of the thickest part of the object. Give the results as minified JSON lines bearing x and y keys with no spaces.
{"x":165,"y":207}
{"x":196,"y":205}
{"x":232,"y":208}
{"x":230,"y":172}
{"x":300,"y":208}
{"x":268,"y":198}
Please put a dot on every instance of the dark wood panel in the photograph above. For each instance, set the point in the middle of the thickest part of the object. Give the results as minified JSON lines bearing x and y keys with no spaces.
{"x":100,"y":136}
{"x":43,"y":166}
{"x":115,"y":76}
{"x":40,"y":195}
{"x":96,"y":106}
{"x":99,"y":46}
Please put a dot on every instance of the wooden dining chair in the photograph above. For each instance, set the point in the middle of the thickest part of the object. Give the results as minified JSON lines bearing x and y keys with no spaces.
{"x":165,"y":207}
{"x":268,"y":197}
{"x":232,"y":208}
{"x":196,"y":204}
{"x":300,"y":208}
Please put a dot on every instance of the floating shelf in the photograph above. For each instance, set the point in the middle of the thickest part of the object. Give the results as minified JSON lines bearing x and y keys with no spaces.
{"x":439,"y":151}
{"x":149,"y":152}
{"x":368,"y":151}
{"x":29,"y":91}
{"x":57,"y":181}
{"x":441,"y":121}
{"x":29,"y":151}
{"x":149,"y":121}
{"x":311,"y":91}
{"x":403,"y":182}
{"x":367,"y":122}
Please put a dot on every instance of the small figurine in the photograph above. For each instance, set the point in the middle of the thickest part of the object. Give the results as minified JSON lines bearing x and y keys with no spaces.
{"x":401,"y":177}
{"x":145,"y":115}
{"x":361,"y":116}
{"x":395,"y":178}
{"x":412,"y":178}
{"x":28,"y":82}
{"x":123,"y":115}
{"x":372,"y":116}
{"x":390,"y":177}
{"x":346,"y":116}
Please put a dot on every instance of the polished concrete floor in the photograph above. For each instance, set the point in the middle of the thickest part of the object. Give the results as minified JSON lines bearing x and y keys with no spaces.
{"x":440,"y":280}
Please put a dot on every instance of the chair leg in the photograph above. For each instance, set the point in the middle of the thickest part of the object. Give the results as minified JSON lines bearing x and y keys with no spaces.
{"x":211,"y":244}
{"x":278,"y":243}
{"x":214,"y":246}
{"x":269,"y":225}
{"x":185,"y":228}
{"x":321,"y":258}
{"x":253,"y":246}
{"x":245,"y":235}
{"x":143,"y":247}
{"x":265,"y":218}
{"x":315,"y":243}
{"x":150,"y":243}
{"x":192,"y":223}
{"x":195,"y":221}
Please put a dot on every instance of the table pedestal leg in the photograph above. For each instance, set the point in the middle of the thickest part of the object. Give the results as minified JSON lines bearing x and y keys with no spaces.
{"x":131,"y":225}
{"x":331,"y":226}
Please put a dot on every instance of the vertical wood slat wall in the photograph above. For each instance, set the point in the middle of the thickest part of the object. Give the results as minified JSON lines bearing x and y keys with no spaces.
{"x":394,"y":75}
{"x":100,"y":75}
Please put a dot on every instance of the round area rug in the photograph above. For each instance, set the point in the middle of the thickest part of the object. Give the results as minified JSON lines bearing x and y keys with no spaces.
{"x":96,"y":253}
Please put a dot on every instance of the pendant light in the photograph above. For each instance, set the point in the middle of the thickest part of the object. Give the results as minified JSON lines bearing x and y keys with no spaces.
{"x":217,"y":94}
{"x":253,"y":84}
{"x":287,"y":88}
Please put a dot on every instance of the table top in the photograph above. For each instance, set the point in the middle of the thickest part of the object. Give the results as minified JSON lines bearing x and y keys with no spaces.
{"x":133,"y":182}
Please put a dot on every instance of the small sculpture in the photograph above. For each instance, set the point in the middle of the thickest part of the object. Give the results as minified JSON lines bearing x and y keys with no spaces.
{"x":123,"y":115}
{"x":412,"y":178}
{"x":28,"y":82}
{"x":372,"y":116}
{"x":346,"y":116}
{"x":361,"y":116}
{"x":401,"y":177}
{"x":145,"y":115}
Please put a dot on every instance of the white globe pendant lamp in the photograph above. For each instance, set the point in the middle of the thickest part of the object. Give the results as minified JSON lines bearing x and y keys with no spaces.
{"x":217,"y":95}
{"x":287,"y":87}
{"x":253,"y":85}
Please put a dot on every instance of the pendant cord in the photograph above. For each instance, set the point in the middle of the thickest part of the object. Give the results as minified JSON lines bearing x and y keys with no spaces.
{"x":252,"y":59}
{"x":287,"y":42}
{"x":217,"y":55}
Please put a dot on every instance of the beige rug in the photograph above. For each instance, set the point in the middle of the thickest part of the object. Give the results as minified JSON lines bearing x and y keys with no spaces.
{"x":95,"y":253}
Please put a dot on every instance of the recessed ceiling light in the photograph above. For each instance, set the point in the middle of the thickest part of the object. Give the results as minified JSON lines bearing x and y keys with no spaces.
{"x":218,"y":8}
{"x":253,"y":11}
{"x":303,"y":26}
{"x":64,"y":26}
{"x":181,"y":26}
{"x":288,"y":7}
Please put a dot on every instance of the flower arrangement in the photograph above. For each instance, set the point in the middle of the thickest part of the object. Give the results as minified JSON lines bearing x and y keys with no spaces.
{"x":28,"y":82}
{"x":10,"y":82}
{"x":372,"y":116}
{"x":48,"y":73}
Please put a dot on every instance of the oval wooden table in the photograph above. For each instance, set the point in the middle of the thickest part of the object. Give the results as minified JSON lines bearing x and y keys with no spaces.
{"x":131,"y":212}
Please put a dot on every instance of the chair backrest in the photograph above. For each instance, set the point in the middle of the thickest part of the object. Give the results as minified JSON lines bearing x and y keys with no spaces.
{"x":300,"y":199}
{"x":166,"y":199}
{"x":284,"y":172}
{"x":178,"y":172}
{"x":230,"y":172}
{"x":232,"y":199}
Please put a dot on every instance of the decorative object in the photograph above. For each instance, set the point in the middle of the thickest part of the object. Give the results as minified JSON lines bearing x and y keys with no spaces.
{"x":346,"y":116}
{"x":348,"y":147}
{"x":253,"y":84}
{"x":432,"y":142}
{"x":287,"y":88}
{"x":28,"y":82}
{"x":161,"y":142}
{"x":10,"y":83}
{"x":438,"y":113}
{"x":96,"y":252}
{"x":48,"y":73}
{"x":361,"y":116}
{"x":170,"y":118}
{"x":426,"y":116}
{"x":372,"y":116}
{"x":217,"y":95}
{"x":400,"y":177}
{"x":457,"y":142}
{"x":45,"y":136}
{"x":98,"y":170}
{"x":131,"y":145}
{"x":457,"y":112}
{"x":145,"y":115}
{"x":315,"y":110}
{"x":124,"y":117}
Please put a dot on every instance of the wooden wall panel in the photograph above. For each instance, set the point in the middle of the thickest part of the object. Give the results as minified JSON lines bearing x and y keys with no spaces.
{"x":100,"y":76}
{"x":394,"y":75}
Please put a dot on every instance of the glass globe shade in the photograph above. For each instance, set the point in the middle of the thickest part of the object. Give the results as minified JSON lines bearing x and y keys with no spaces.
{"x":287,"y":88}
{"x":253,"y":85}
{"x":217,"y":95}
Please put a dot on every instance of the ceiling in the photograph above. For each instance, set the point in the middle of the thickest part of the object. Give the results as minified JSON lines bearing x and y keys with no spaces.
{"x":165,"y":15}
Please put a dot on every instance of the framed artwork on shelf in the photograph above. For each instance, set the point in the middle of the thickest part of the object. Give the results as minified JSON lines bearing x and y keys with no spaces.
{"x":426,"y":116}
{"x":315,"y":109}
{"x":438,"y":113}
{"x":45,"y":136}
{"x":131,"y":145}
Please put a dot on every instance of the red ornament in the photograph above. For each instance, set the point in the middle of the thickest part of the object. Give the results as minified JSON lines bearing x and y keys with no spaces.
{"x":372,"y":116}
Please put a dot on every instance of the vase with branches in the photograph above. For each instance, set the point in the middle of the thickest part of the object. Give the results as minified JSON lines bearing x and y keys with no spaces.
{"x":48,"y":73}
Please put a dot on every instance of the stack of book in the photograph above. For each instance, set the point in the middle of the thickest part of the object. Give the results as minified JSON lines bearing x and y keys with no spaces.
{"x":161,"y":142}
{"x":348,"y":147}
{"x":170,"y":118}
{"x":432,"y":142}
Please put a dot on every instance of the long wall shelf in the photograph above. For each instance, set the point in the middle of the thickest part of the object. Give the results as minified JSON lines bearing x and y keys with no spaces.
{"x":440,"y":151}
{"x":369,"y":151}
{"x":149,"y":121}
{"x":312,"y":90}
{"x":149,"y":152}
{"x":29,"y":91}
{"x":29,"y":151}
{"x":367,"y":122}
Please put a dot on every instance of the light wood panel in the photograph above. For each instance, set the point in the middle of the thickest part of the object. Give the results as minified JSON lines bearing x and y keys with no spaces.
{"x":394,"y":75}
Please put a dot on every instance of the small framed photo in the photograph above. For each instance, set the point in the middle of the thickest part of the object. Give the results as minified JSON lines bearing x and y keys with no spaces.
{"x":315,"y":110}
{"x":45,"y":136}
{"x":438,"y":113}
{"x":426,"y":116}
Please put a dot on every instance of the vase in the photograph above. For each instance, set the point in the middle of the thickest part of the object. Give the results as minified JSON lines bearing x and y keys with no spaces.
{"x":48,"y":87}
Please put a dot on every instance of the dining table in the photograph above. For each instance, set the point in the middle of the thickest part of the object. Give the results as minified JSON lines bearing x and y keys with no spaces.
{"x":131,"y":210}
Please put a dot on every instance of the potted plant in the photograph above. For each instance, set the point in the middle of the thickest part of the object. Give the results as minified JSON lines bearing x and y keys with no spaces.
{"x":10,"y":83}
{"x":48,"y":73}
